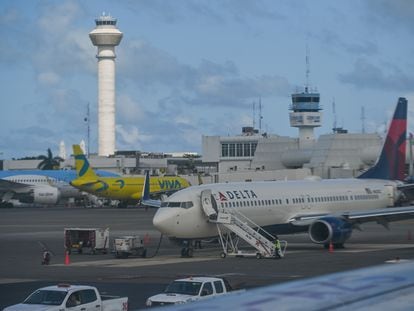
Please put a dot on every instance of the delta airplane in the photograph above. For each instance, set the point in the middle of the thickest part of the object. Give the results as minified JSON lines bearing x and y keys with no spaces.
{"x":125,"y":189}
{"x":327,"y":209}
{"x":39,"y":187}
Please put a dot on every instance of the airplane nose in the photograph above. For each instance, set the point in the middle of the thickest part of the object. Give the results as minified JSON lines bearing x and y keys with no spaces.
{"x":164,"y":220}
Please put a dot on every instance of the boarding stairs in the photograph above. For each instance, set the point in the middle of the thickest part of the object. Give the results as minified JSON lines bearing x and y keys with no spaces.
{"x":230,"y":222}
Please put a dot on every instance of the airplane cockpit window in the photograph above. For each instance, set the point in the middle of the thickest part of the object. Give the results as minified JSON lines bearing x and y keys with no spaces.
{"x":177,"y":204}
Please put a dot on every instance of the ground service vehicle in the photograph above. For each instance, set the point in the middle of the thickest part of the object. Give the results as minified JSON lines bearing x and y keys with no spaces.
{"x":66,"y":297}
{"x":129,"y":245}
{"x":94,"y":239}
{"x":190,"y":289}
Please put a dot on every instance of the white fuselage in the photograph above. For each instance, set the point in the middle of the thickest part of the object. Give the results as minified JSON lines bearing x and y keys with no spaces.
{"x":45,"y":183}
{"x":271,"y":203}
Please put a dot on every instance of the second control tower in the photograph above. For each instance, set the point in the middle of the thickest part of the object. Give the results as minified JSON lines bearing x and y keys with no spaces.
{"x":306,"y":115}
{"x":306,"y":112}
{"x":106,"y":36}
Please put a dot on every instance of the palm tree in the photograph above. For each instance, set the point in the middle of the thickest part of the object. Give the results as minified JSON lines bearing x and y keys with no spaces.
{"x":49,"y":162}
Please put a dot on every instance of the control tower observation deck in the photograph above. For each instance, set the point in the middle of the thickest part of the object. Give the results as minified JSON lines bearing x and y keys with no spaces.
{"x":106,"y":36}
{"x":306,"y":115}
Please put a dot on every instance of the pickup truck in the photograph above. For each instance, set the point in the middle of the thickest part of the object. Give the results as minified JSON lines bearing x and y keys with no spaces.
{"x":190,"y":289}
{"x":65,"y":297}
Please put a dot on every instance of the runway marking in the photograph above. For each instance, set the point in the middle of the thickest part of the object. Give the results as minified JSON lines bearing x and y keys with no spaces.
{"x":10,"y":281}
{"x":139,"y":262}
{"x":351,"y":248}
{"x":174,"y":259}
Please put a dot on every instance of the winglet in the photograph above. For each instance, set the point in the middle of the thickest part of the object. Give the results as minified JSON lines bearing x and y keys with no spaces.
{"x":83,"y":169}
{"x":146,"y":189}
{"x":146,"y":200}
{"x":391,"y":162}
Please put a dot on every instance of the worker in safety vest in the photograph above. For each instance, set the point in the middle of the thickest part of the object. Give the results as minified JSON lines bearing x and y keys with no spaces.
{"x":278,"y":249}
{"x":46,"y":257}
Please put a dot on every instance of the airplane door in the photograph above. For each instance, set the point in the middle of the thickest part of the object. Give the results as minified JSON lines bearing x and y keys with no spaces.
{"x":206,"y":202}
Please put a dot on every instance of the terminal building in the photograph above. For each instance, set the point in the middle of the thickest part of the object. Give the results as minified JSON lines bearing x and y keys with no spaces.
{"x":255,"y":156}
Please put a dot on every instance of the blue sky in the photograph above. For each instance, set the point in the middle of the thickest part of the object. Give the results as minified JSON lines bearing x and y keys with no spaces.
{"x":192,"y":68}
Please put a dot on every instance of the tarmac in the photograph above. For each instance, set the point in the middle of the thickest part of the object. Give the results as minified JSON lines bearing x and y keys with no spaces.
{"x":24,"y":232}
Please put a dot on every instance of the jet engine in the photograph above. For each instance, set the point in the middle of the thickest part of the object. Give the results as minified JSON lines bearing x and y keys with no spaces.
{"x":41,"y":195}
{"x":330,"y":229}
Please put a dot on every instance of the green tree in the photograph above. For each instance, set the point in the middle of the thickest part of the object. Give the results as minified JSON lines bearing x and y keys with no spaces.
{"x":49,"y":162}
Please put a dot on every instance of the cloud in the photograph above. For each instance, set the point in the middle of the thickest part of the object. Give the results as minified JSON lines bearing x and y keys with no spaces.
{"x":336,"y":41}
{"x":48,"y":78}
{"x":391,"y":13}
{"x":146,"y":65}
{"x":172,"y":12}
{"x":129,"y":110}
{"x":369,"y":76}
{"x":210,"y":83}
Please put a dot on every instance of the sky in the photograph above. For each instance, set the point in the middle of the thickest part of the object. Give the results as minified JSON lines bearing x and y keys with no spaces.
{"x":187,"y":68}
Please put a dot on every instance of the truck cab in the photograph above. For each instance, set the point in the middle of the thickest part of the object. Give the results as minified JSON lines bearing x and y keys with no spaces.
{"x":190,"y":289}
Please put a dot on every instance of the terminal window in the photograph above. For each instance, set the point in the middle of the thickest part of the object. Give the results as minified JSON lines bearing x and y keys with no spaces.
{"x":238,"y":149}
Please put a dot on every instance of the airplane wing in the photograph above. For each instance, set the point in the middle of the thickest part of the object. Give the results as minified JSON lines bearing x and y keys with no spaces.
{"x":381,"y":216}
{"x":384,"y":287}
{"x":9,"y":188}
{"x":7,"y":185}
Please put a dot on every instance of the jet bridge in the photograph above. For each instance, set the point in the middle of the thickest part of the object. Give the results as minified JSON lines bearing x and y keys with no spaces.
{"x":232,"y":226}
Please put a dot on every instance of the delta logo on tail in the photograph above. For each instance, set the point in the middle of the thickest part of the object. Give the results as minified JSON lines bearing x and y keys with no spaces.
{"x":391,"y":162}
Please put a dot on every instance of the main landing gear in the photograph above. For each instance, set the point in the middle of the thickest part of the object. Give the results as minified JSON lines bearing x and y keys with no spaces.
{"x":187,"y":251}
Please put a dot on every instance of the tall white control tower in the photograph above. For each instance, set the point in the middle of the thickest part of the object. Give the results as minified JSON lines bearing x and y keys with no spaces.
{"x":106,"y":36}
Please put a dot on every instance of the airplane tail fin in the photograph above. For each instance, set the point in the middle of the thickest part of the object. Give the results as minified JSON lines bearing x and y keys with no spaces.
{"x":146,"y":200}
{"x":83,"y":169}
{"x":146,"y":189}
{"x":391,"y":162}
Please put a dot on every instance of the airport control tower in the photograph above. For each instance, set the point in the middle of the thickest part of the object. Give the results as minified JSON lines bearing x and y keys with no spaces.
{"x":106,"y":36}
{"x":306,"y":115}
{"x":306,"y":112}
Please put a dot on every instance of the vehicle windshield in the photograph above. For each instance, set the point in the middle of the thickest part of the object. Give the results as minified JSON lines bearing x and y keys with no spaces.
{"x":184,"y":287}
{"x":46,"y":297}
{"x":177,"y":204}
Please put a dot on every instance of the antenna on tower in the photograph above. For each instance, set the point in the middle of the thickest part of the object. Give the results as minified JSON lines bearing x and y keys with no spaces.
{"x":87,"y":119}
{"x":363,"y":119}
{"x":254,"y":115}
{"x":334,"y":128}
{"x":307,"y":67}
{"x":260,"y":115}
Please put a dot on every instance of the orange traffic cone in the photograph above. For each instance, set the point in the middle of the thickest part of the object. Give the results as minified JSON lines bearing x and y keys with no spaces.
{"x":331,"y":247}
{"x":67,"y":259}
